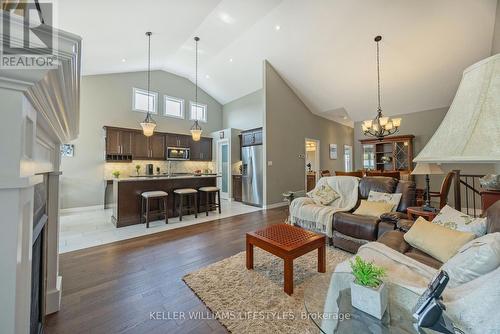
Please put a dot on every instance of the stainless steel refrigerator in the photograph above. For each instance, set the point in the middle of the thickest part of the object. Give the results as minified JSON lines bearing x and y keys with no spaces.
{"x":252,"y":175}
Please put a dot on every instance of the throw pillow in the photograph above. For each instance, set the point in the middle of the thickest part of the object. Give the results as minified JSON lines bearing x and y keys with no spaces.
{"x":456,"y":220}
{"x":373,"y":209}
{"x":394,"y":199}
{"x":474,"y":259}
{"x":323,"y":194}
{"x":437,"y":241}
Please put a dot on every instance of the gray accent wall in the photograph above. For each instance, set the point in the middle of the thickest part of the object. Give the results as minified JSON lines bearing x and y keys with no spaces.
{"x":107,"y":100}
{"x":288,"y":122}
{"x":244,"y":113}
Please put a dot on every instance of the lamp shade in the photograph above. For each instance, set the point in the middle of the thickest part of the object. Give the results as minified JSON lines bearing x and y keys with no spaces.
{"x":427,"y":169}
{"x":470,"y":131}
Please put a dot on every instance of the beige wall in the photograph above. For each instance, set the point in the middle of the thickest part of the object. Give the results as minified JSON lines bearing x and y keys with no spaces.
{"x":287,"y":123}
{"x":244,"y":113}
{"x":107,"y":100}
{"x":496,"y":34}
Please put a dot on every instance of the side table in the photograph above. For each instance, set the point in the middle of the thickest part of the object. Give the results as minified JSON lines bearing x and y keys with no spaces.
{"x":416,"y":211}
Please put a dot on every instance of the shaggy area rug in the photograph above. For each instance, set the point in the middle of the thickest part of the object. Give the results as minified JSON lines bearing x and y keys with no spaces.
{"x":253,"y":301}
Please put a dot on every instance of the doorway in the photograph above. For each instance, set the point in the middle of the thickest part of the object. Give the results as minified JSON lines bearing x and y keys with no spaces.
{"x":223,"y":168}
{"x":312,"y":161}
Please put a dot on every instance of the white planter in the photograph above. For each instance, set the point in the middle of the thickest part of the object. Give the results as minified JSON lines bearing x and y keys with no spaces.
{"x":369,"y":300}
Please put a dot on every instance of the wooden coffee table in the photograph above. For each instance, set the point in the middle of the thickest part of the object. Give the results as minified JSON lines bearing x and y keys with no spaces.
{"x":287,"y":242}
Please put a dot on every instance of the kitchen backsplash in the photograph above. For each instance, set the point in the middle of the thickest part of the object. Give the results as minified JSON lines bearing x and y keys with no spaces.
{"x":128,"y":169}
{"x":235,"y":168}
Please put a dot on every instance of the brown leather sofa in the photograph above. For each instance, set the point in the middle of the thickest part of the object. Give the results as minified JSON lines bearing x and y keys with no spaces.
{"x":351,"y":231}
{"x":395,"y":239}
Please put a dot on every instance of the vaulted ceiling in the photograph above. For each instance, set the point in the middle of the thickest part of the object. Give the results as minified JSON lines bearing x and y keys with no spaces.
{"x":324,"y":49}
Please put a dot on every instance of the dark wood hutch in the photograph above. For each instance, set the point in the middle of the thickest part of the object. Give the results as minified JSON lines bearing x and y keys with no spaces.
{"x":390,"y":154}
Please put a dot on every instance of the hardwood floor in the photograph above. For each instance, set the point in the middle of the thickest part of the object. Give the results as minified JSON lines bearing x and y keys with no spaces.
{"x":113,"y":288}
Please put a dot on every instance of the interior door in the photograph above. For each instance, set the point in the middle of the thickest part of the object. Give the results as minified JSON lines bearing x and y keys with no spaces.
{"x":223,"y":168}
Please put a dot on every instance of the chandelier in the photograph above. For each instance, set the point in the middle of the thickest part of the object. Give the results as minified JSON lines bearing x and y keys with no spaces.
{"x":196,"y":128}
{"x":381,"y":126}
{"x":149,"y":124}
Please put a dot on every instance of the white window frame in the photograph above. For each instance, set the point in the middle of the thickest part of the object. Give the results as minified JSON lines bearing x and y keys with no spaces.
{"x":145,"y":92}
{"x":175,"y":99}
{"x":191,"y":104}
{"x":348,"y":167}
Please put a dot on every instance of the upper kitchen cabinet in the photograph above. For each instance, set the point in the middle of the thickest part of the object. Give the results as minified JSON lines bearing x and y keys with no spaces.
{"x":149,"y":148}
{"x":118,"y":144}
{"x":175,"y":140}
{"x":201,"y":150}
{"x":251,"y":137}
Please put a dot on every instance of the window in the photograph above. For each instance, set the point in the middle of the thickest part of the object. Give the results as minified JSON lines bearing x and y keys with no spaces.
{"x":141,"y":100}
{"x":174,"y":107}
{"x":348,"y":158}
{"x":198,"y":111}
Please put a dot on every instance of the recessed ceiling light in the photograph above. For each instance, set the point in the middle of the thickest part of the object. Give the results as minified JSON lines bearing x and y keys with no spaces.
{"x":124,"y":60}
{"x":207,"y":76}
{"x":277,"y":27}
{"x":226,"y":18}
{"x":230,"y":60}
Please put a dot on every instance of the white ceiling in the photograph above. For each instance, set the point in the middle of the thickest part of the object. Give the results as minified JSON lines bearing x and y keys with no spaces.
{"x":324,"y":48}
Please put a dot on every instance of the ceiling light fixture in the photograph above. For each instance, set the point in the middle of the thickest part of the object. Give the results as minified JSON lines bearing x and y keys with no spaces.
{"x":230,"y":60}
{"x":382,"y":126}
{"x":207,"y":76}
{"x":196,"y":128}
{"x":277,"y":27}
{"x":124,"y":60}
{"x":149,"y":124}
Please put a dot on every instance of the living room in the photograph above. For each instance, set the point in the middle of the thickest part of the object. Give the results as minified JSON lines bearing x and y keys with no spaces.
{"x":273,"y":166}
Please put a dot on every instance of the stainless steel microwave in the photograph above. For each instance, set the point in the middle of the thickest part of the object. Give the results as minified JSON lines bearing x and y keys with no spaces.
{"x":178,"y":153}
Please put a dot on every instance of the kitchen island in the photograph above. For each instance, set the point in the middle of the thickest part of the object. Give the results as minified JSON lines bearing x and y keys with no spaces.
{"x":127,"y":194}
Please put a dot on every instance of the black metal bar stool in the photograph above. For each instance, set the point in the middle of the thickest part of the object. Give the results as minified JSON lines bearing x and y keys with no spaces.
{"x":209,"y":191}
{"x":188,"y":193}
{"x":161,"y":196}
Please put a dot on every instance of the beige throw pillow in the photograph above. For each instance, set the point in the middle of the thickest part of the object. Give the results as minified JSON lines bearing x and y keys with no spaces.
{"x":474,"y":259}
{"x":323,"y":194}
{"x":373,"y":209}
{"x":456,"y":220}
{"x":437,"y":241}
{"x":394,"y":199}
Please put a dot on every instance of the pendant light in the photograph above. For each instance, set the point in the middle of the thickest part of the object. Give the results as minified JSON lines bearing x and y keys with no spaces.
{"x":196,"y":128}
{"x":381,"y":126}
{"x":149,"y":124}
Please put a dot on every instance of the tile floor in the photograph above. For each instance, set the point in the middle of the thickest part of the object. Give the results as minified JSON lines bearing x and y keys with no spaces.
{"x":85,"y":229}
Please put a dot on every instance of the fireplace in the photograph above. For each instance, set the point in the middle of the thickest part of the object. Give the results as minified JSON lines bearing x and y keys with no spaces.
{"x":39,"y":254}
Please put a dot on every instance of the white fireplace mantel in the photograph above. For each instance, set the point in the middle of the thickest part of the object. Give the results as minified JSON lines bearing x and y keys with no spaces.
{"x":39,"y":111}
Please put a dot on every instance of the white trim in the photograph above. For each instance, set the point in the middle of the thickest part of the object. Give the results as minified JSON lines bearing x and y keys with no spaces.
{"x":191,"y":103}
{"x":274,"y":205}
{"x":175,"y":99}
{"x":81,"y":209}
{"x":144,"y":91}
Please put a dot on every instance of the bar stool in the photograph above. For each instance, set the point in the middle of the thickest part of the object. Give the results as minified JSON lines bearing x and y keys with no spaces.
{"x":161,"y":196}
{"x":209,"y":205}
{"x":189,"y":192}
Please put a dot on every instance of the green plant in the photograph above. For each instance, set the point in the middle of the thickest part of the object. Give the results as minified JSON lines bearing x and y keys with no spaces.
{"x":116,"y":173}
{"x":366,"y":273}
{"x":137,"y":169}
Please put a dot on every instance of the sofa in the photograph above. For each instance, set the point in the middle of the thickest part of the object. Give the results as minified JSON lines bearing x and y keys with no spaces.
{"x":395,"y":239}
{"x":351,"y":231}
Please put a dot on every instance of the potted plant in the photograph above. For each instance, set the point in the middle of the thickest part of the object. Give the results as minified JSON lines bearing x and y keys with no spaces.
{"x":368,"y":292}
{"x":137,"y":169}
{"x":116,"y":173}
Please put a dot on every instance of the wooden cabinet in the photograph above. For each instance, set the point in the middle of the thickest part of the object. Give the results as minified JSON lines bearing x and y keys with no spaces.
{"x":311,"y":181}
{"x":149,"y":148}
{"x":237,"y":190}
{"x":251,"y":137}
{"x":176,"y":140}
{"x":118,"y":145}
{"x":201,"y":150}
{"x":389,"y":154}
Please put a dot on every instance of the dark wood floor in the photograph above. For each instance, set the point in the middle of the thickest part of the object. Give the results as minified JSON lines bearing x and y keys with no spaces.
{"x":113,"y":288}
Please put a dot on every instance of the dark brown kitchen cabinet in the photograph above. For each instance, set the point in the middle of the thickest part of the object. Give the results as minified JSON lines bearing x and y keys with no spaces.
{"x":149,"y":148}
{"x":175,"y":140}
{"x":251,"y":137}
{"x":118,"y":144}
{"x":201,"y":150}
{"x":237,"y":188}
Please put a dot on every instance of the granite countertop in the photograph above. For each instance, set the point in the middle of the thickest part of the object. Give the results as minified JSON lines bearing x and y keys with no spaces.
{"x":164,"y":177}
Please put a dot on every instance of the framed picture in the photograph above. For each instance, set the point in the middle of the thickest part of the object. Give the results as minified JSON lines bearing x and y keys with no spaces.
{"x":67,"y":150}
{"x":333,"y":151}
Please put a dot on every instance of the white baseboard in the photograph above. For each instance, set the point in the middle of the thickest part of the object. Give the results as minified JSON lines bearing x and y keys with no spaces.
{"x":275,"y":205}
{"x":82,"y":209}
{"x":53,"y":298}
